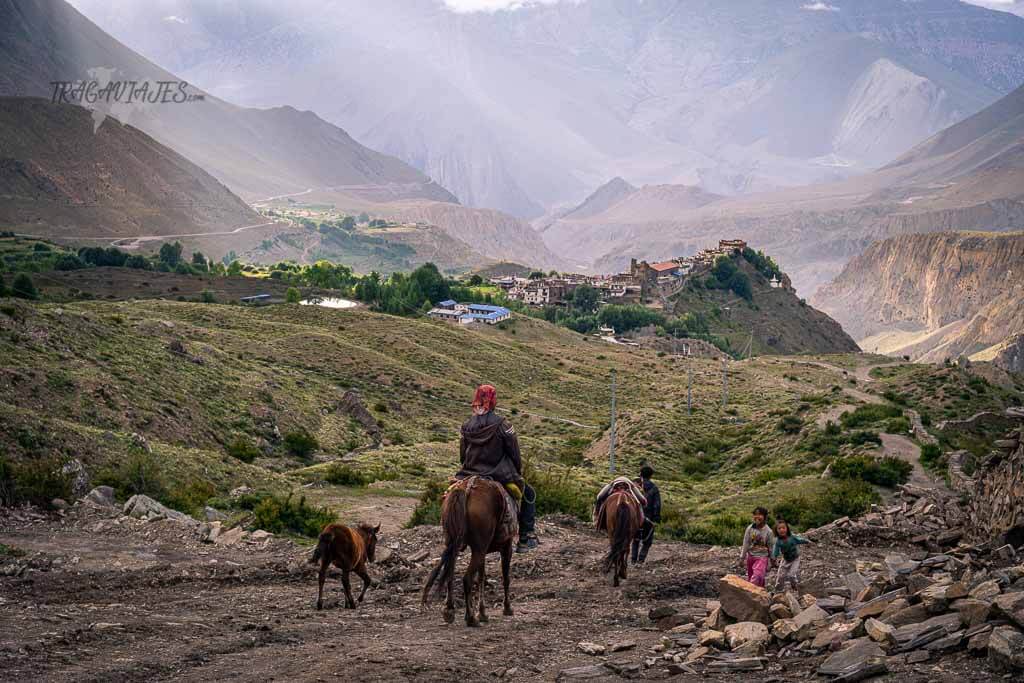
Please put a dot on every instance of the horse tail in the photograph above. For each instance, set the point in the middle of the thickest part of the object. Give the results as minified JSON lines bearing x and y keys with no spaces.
{"x":454,"y":523}
{"x":323,"y":547}
{"x":621,"y":537}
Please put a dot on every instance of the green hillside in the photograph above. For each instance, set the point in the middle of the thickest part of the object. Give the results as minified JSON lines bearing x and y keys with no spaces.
{"x":198,"y":381}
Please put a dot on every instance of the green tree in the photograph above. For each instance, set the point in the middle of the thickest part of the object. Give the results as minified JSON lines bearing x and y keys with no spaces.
{"x":585,"y":298}
{"x":347,"y":223}
{"x":293,"y":296}
{"x":536,"y":275}
{"x":475,"y":280}
{"x":235,"y":268}
{"x":429,"y":281}
{"x":23,"y":287}
{"x":199,"y":261}
{"x":740,"y":284}
{"x":170,"y":253}
{"x":363,"y":218}
{"x":208,"y":297}
{"x":229,"y":258}
{"x":3,"y":287}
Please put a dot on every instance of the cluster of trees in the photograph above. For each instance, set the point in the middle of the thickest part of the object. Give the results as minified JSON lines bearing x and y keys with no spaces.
{"x":762,"y":263}
{"x":21,"y":287}
{"x":402,"y":294}
{"x":726,"y":275}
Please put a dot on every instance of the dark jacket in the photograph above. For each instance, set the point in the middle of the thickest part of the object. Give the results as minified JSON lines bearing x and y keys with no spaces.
{"x":489,"y":447}
{"x":653,"y":495}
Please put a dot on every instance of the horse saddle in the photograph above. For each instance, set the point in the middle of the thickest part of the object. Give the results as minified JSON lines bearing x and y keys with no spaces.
{"x":510,"y":512}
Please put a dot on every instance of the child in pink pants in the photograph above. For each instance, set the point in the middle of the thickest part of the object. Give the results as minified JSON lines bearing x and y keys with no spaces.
{"x":758,"y":541}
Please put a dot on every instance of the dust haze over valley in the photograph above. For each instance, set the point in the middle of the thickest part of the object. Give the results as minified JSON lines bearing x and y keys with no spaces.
{"x":257,"y":256}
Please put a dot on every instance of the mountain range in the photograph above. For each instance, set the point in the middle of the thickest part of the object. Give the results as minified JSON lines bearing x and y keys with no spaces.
{"x":259,"y":154}
{"x":529,"y":109}
{"x":969,"y":176}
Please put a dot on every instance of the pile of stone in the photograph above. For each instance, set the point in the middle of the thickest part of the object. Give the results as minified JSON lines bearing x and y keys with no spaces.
{"x":913,"y":609}
{"x":930,"y":517}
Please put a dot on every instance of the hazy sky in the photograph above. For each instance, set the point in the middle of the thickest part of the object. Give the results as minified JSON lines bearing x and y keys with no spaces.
{"x":1015,"y":6}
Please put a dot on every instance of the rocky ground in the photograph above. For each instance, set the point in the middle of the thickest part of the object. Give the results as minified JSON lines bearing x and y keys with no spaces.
{"x":92,"y":594}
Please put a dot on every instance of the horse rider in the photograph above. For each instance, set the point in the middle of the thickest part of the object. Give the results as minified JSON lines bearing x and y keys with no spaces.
{"x":652,"y":515}
{"x":489,"y":448}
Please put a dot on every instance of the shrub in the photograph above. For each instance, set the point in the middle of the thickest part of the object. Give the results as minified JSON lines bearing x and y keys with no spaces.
{"x":841,"y":498}
{"x":765,"y":476}
{"x":341,"y":474}
{"x":23,"y":287}
{"x":69,"y":262}
{"x":725,"y":528}
{"x":863,"y":437}
{"x":428,"y":510}
{"x":931,"y":455}
{"x":208,"y":297}
{"x":868,"y":414}
{"x":139,"y":473}
{"x":380,"y":407}
{"x":190,"y":497}
{"x":559,"y":493}
{"x":285,"y":515}
{"x":887,"y":471}
{"x":37,"y":481}
{"x":292,"y":295}
{"x":243,"y":449}
{"x":790,"y":424}
{"x":897,"y":425}
{"x":301,"y":443}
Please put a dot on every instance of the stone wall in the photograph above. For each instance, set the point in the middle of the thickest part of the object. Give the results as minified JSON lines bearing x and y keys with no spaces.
{"x":995,"y":507}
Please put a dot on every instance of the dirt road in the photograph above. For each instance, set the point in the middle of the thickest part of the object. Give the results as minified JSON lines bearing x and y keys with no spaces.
{"x":118,"y":599}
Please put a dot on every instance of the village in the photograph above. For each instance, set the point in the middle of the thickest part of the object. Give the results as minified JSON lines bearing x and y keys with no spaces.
{"x":645,"y":283}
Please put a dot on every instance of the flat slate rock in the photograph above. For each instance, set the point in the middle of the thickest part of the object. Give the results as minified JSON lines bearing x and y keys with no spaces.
{"x":584,"y":672}
{"x":860,"y":654}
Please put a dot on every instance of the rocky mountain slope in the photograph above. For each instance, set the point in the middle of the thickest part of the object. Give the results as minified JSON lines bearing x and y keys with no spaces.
{"x":968,"y":177}
{"x":255,"y":152}
{"x":59,"y":177}
{"x":260,"y":154}
{"x":773,"y":321}
{"x":533,"y":106}
{"x":932,"y":296}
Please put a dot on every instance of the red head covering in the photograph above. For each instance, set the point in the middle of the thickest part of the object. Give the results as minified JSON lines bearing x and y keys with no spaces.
{"x":485,"y":398}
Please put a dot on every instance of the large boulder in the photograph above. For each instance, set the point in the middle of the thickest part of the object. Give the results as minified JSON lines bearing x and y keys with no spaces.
{"x":1006,"y":650}
{"x":808,"y":622}
{"x":101,"y":496}
{"x":746,"y":633}
{"x":1011,"y":606}
{"x":144,"y":507}
{"x":742,"y":600}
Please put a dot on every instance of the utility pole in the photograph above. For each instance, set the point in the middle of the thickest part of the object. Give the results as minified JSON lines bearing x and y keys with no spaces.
{"x":611,"y":435}
{"x":725,"y":381}
{"x":689,"y":388}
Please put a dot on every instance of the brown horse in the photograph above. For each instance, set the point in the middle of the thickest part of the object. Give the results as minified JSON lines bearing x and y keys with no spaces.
{"x":349,"y":550}
{"x":623,"y":519}
{"x":474,"y":514}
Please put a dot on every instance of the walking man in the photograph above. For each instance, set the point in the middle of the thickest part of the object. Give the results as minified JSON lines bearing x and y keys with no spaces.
{"x":652,"y":515}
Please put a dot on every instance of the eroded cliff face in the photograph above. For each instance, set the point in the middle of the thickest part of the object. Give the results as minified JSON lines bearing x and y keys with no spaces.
{"x":932,"y":296}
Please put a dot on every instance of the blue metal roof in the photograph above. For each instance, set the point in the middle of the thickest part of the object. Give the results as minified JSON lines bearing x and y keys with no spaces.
{"x":484,"y":316}
{"x":489,"y":308}
{"x":446,"y":302}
